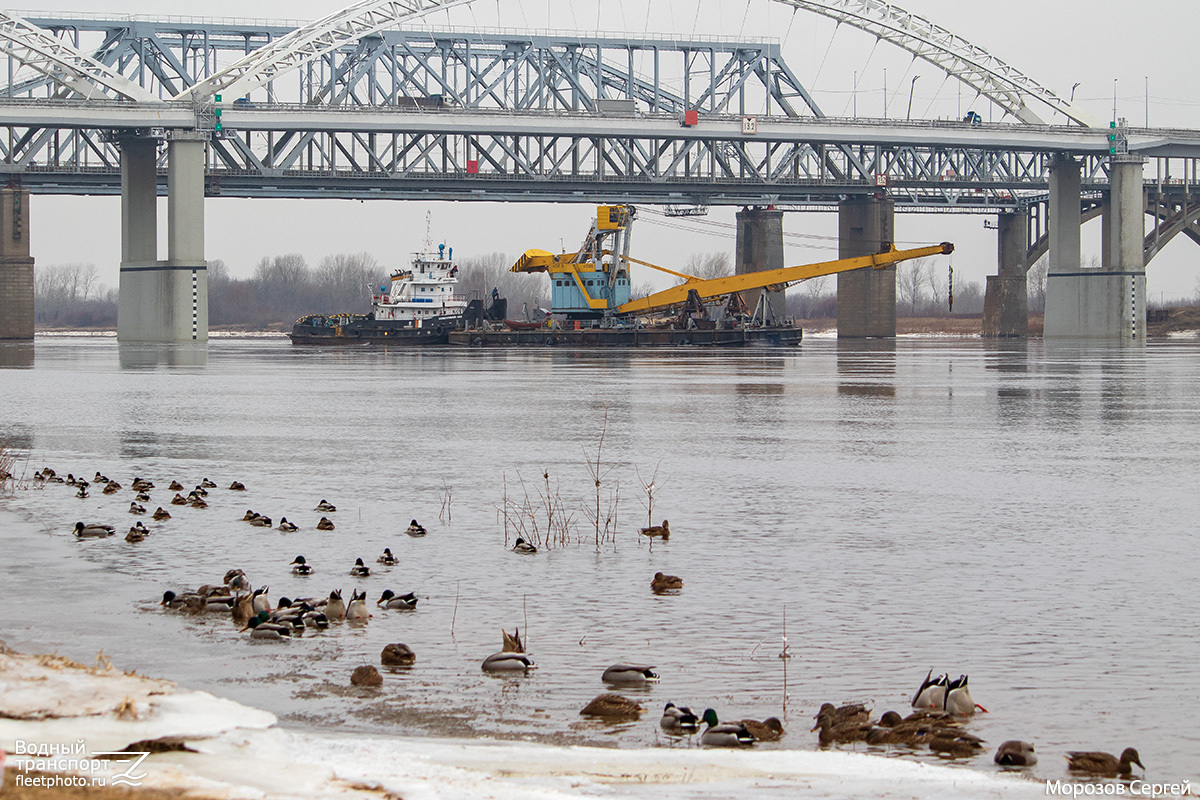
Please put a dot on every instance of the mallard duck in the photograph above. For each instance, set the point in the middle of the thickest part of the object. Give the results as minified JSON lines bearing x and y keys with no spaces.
{"x":100,"y":478}
{"x":325,"y":524}
{"x":177,"y":500}
{"x":175,"y":486}
{"x":657,"y":531}
{"x":612,"y":707}
{"x":261,"y":521}
{"x":200,"y":491}
{"x":237,"y":581}
{"x":325,"y":506}
{"x":1015,"y":753}
{"x":142,"y":485}
{"x":630,"y":674}
{"x":932,"y":692}
{"x":82,"y":494}
{"x":415,"y":529}
{"x":197,"y":502}
{"x":261,"y":628}
{"x":767,"y":730}
{"x":387,"y":559}
{"x":237,"y":486}
{"x":391,"y":600}
{"x":1103,"y":763}
{"x":316,"y":619}
{"x":397,"y":655}
{"x":249,"y":515}
{"x":136,"y":534}
{"x":134,"y":508}
{"x":831,"y":732}
{"x":70,"y":479}
{"x":207,"y":484}
{"x":356,"y":611}
{"x":287,"y":527}
{"x":259,"y":601}
{"x":512,"y":656}
{"x":511,"y":643}
{"x":142,"y":497}
{"x":954,"y":742}
{"x":360,"y":570}
{"x":851,"y":712}
{"x":160,"y":514}
{"x":335,"y":607}
{"x":665,"y":583}
{"x":112,"y":487}
{"x":524,"y":547}
{"x":93,"y":531}
{"x":727,"y":735}
{"x":300,"y":566}
{"x":958,"y":698}
{"x":679,"y":719}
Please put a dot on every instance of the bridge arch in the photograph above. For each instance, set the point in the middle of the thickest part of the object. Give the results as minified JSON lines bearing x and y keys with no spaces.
{"x":1170,"y":221}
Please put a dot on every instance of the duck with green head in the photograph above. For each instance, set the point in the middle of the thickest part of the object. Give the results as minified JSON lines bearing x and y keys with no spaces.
{"x":730,"y":734}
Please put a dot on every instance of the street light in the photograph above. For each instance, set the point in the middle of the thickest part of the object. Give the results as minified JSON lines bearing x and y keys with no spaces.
{"x":911,"y":87}
{"x":1073,"y":88}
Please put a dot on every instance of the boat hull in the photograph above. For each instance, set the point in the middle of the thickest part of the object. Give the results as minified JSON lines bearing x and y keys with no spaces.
{"x":433,"y":331}
{"x":627,"y":337}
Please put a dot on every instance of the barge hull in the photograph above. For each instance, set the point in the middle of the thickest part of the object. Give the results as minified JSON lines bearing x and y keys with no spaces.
{"x":628,"y":337}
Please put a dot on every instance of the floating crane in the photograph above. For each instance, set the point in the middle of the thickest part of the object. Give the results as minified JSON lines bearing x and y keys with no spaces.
{"x":593,"y":282}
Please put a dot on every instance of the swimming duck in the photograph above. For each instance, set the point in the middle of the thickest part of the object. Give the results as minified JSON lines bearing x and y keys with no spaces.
{"x":356,"y":611}
{"x":289,"y":527}
{"x":249,"y":515}
{"x":112,"y":487}
{"x":335,"y":607}
{"x":259,"y":601}
{"x":657,"y":531}
{"x":136,"y":534}
{"x":236,"y":580}
{"x":237,"y":486}
{"x":954,"y":742}
{"x":160,"y":514}
{"x":612,"y":707}
{"x":1015,"y":753}
{"x":932,"y":692}
{"x":958,"y":698}
{"x":387,"y":558}
{"x":316,"y":619}
{"x":831,"y":732}
{"x":727,"y":735}
{"x":390,"y":600}
{"x":70,"y":479}
{"x":415,"y":529}
{"x":197,"y":502}
{"x":141,"y":485}
{"x":175,"y":486}
{"x":679,"y":719}
{"x":360,"y":570}
{"x":325,"y":506}
{"x":172,"y":600}
{"x":94,"y":531}
{"x":177,"y":500}
{"x":325,"y":524}
{"x":261,"y":628}
{"x":1103,"y":763}
{"x":767,"y":730}
{"x":134,"y":508}
{"x":261,"y":521}
{"x":665,"y":583}
{"x":99,"y":478}
{"x":199,"y":490}
{"x":83,"y":492}
{"x":142,"y":497}
{"x":512,"y":643}
{"x":397,"y":655}
{"x":637,"y":674}
{"x":207,"y":484}
{"x":851,"y":712}
{"x":524,"y":547}
{"x":300,"y":567}
{"x":512,"y":656}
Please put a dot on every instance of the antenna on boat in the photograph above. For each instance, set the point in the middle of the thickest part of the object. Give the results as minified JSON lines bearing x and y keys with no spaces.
{"x":428,"y":229}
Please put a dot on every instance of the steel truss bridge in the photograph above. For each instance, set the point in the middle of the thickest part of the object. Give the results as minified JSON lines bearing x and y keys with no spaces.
{"x":352,"y":107}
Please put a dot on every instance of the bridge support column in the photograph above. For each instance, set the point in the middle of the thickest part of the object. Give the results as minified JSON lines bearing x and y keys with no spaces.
{"x":16,"y":266}
{"x":760,"y":247}
{"x":866,"y":297}
{"x":1006,"y":302}
{"x":163,"y":301}
{"x":1104,"y":303}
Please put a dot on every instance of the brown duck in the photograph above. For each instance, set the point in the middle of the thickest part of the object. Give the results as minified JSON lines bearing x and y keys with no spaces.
{"x":1103,"y":763}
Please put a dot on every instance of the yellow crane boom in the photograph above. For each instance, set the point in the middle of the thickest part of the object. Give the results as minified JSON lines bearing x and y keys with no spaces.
{"x":716,"y":287}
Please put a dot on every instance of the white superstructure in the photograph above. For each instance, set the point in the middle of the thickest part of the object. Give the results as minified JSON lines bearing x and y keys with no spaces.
{"x":422,"y":291}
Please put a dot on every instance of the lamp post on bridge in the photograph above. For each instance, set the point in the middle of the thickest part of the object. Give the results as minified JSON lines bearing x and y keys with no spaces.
{"x":911,"y":87}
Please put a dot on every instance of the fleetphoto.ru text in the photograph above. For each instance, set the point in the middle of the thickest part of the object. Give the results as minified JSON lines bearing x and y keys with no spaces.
{"x":71,"y":765}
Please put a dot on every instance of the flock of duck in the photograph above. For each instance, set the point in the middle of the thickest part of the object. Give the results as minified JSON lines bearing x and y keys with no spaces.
{"x":941,"y":706}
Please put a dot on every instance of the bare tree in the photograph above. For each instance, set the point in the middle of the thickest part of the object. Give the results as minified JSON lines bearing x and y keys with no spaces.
{"x":1036,"y":283}
{"x":909,"y":280}
{"x":707,"y":266}
{"x":932,"y":280}
{"x":348,"y":280}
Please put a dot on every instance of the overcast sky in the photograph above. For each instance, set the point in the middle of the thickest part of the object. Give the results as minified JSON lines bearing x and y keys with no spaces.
{"x":1058,"y":44}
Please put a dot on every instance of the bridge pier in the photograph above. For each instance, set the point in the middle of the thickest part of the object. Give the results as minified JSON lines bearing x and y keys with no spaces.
{"x":16,"y":266}
{"x":163,"y":301}
{"x":759,"y":246}
{"x":866,"y":297}
{"x":1006,"y":301}
{"x":1104,"y":303}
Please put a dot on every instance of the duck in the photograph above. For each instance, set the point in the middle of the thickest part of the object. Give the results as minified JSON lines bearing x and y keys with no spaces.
{"x":512,"y":656}
{"x":954,"y":742}
{"x":360,"y":570}
{"x":767,"y":730}
{"x":197,"y":502}
{"x":261,"y":628}
{"x":524,"y":547}
{"x":387,"y":559}
{"x":397,"y":655}
{"x":134,"y":508}
{"x":416,"y":529}
{"x":237,"y":486}
{"x":512,"y":643}
{"x":236,"y":580}
{"x":207,"y":484}
{"x":390,"y":600}
{"x":142,"y":497}
{"x":657,"y":531}
{"x":287,"y":527}
{"x":136,"y":534}
{"x":98,"y":478}
{"x":93,"y":531}
{"x":300,"y":566}
{"x":259,"y":600}
{"x":316,"y":619}
{"x":175,"y":486}
{"x":678,"y":719}
{"x":177,"y":500}
{"x":612,"y":707}
{"x":637,"y":674}
{"x":199,"y":490}
{"x":831,"y":732}
{"x":932,"y":692}
{"x":112,"y":487}
{"x":1103,"y":763}
{"x":160,"y":514}
{"x":335,"y":607}
{"x":958,"y":698}
{"x":325,"y":524}
{"x":851,"y":712}
{"x":261,"y":521}
{"x":325,"y":506}
{"x":82,"y":494}
{"x":665,"y":583}
{"x":356,"y":611}
{"x":1015,"y":753}
{"x":727,"y":735}
{"x":249,"y":515}
{"x":142,"y":485}
{"x":70,"y":479}
{"x":172,"y":600}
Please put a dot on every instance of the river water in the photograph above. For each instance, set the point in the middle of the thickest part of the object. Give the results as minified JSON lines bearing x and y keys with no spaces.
{"x":1023,"y":513}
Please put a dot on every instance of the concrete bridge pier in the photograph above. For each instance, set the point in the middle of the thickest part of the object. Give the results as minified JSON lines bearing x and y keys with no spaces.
{"x":866,"y":297}
{"x":1104,"y":303}
{"x":1006,"y":301}
{"x":16,"y":266}
{"x":759,"y":246}
{"x":163,"y":301}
